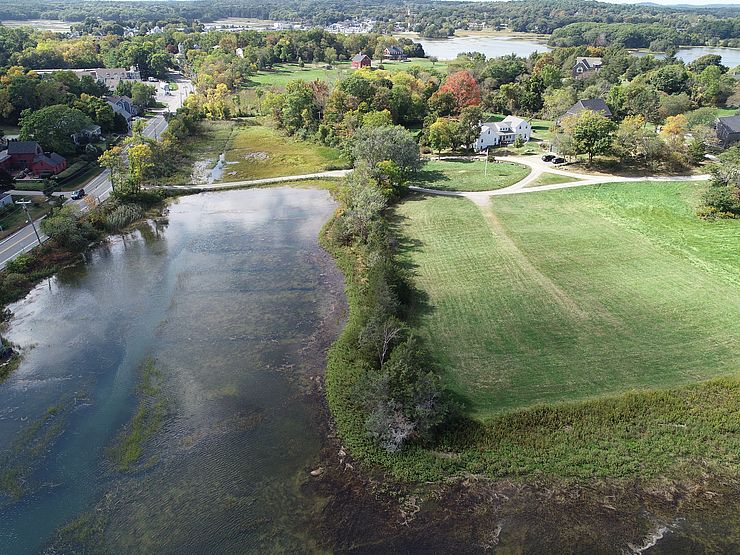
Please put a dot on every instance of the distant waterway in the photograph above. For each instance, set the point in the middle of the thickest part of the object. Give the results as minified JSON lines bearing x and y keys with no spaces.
{"x":495,"y":46}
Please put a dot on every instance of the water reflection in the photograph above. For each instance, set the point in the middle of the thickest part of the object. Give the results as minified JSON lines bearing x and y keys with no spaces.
{"x":226,"y":299}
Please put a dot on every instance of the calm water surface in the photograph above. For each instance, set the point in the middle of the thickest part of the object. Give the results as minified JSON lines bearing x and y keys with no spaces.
{"x":229,"y":300}
{"x":492,"y":47}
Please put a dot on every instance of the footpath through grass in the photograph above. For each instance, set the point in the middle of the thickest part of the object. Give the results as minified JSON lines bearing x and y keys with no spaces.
{"x":571,"y":294}
{"x":470,"y":175}
{"x":548,"y":178}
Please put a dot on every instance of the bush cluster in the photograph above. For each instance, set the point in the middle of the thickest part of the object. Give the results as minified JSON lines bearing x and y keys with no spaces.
{"x":379,"y":375}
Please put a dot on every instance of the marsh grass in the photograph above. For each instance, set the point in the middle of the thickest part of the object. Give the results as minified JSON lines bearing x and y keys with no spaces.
{"x":148,"y":419}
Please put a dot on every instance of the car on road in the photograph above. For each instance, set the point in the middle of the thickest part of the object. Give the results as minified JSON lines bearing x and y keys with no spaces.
{"x":78,"y":194}
{"x":558,"y":160}
{"x":548,"y":157}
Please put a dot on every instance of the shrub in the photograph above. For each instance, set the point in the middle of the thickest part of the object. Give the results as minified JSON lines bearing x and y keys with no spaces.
{"x":20,"y":264}
{"x":123,"y":215}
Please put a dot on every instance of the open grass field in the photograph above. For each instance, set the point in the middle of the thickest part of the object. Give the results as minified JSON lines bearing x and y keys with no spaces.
{"x":471,"y":175}
{"x":548,"y":178}
{"x":282,"y":74}
{"x":574,"y":294}
{"x":255,"y":151}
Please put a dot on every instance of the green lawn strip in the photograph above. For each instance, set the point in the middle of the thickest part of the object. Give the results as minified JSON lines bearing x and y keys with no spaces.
{"x":148,"y":419}
{"x":470,"y":175}
{"x":548,"y":178}
{"x":571,"y":294}
{"x":14,"y":218}
{"x":81,"y":179}
{"x":256,"y":152}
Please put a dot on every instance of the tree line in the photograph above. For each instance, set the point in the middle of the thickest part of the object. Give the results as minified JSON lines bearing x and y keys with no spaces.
{"x":703,"y":24}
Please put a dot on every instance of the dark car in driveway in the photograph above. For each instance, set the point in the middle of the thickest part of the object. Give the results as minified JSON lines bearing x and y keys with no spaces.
{"x":548,"y":157}
{"x":558,"y":160}
{"x":78,"y":194}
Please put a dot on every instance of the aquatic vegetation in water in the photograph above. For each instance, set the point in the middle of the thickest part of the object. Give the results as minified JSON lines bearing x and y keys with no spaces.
{"x":147,"y":421}
{"x":18,"y":462}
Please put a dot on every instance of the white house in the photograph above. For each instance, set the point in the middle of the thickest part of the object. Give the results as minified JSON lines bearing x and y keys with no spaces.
{"x":504,"y":132}
{"x":5,"y":200}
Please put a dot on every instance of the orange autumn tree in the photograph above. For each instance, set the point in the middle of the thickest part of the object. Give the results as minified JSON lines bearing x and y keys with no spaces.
{"x":463,"y":86}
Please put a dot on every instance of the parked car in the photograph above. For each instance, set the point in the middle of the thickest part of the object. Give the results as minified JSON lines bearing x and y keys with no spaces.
{"x":548,"y":157}
{"x":78,"y":194}
{"x":558,"y":160}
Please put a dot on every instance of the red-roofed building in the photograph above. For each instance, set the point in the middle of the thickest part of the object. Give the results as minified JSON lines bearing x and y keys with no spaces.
{"x":361,"y":60}
{"x":28,"y":155}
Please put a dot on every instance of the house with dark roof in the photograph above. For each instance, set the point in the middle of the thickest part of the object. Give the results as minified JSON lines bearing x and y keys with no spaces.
{"x":28,"y":155}
{"x":361,"y":60}
{"x":394,"y":53}
{"x":593,"y":104}
{"x":586,"y":66}
{"x":123,"y":105}
{"x":728,"y":130}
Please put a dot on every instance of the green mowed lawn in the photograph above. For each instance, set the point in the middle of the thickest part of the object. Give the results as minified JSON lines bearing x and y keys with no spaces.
{"x":574,"y":293}
{"x":282,"y":74}
{"x":255,"y":151}
{"x":548,"y":178}
{"x":470,"y":175}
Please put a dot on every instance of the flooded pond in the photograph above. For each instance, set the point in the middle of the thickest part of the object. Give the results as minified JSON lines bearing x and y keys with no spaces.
{"x":233,"y":304}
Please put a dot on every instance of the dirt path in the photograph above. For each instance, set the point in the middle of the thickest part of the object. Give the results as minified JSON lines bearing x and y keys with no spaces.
{"x":265,"y":181}
{"x":539,"y":167}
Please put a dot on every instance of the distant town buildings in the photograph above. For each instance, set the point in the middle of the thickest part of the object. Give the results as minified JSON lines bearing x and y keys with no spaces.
{"x":352,"y":26}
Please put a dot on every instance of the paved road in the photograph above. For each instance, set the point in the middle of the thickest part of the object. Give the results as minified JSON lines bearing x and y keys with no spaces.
{"x":99,"y":187}
{"x":539,"y":167}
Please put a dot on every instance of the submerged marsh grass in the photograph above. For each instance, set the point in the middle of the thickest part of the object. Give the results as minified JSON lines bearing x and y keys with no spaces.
{"x":128,"y":448}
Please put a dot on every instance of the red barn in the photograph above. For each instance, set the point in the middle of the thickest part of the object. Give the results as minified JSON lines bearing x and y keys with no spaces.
{"x":28,"y":155}
{"x":361,"y":60}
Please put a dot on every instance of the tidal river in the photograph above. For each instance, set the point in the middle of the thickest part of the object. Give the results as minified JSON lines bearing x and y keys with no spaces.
{"x":235,"y":303}
{"x":220,"y":320}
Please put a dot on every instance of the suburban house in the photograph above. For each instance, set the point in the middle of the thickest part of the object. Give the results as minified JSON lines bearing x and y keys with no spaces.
{"x":123,"y":105}
{"x":593,"y":104}
{"x":5,"y":200}
{"x":728,"y":130}
{"x":361,"y":60}
{"x":586,"y":66}
{"x":394,"y":53}
{"x":28,"y":155}
{"x":504,"y":132}
{"x":90,"y":134}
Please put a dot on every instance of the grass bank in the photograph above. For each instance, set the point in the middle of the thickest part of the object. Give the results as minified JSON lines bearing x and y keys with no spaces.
{"x":600,"y":342}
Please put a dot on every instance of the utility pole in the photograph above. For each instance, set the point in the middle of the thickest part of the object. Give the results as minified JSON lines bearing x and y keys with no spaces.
{"x":24,"y":204}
